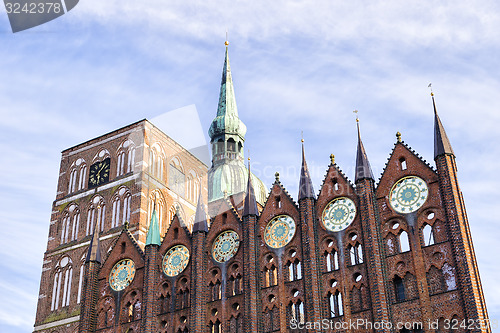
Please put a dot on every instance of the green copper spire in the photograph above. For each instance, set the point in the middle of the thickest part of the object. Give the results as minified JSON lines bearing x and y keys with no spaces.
{"x":154,"y":230}
{"x":227,"y":120}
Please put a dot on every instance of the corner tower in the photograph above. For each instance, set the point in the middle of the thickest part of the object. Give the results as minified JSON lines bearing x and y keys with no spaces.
{"x":460,"y":235}
{"x":228,"y":174}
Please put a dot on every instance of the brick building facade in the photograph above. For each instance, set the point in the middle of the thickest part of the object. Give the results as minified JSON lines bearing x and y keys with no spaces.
{"x":396,"y":251}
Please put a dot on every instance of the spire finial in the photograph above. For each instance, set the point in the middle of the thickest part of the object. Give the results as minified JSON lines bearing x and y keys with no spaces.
{"x":356,"y":113}
{"x":442,"y":145}
{"x":363,"y":169}
{"x":302,"y":136}
{"x":332,"y":158}
{"x":306,"y":189}
{"x":277,"y":176}
{"x":398,"y":136}
{"x":227,"y":41}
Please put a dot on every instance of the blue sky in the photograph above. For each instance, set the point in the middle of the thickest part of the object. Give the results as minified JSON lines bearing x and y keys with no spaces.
{"x":296,"y":66}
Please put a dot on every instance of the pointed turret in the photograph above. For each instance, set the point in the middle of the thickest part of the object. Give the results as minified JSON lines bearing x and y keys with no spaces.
{"x":227,"y":120}
{"x":94,"y":253}
{"x":441,"y":143}
{"x":306,"y":189}
{"x":200,"y":219}
{"x":153,"y":237}
{"x":363,"y":169}
{"x":250,"y":207}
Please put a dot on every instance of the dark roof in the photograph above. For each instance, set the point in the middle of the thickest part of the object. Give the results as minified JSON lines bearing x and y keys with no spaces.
{"x":94,"y":252}
{"x":363,"y":169}
{"x":250,"y":207}
{"x":441,"y":143}
{"x":200,"y":219}
{"x":306,"y":189}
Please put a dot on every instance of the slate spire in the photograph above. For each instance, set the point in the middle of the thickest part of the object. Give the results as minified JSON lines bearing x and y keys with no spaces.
{"x":153,"y":237}
{"x":250,"y":207}
{"x":200,"y":219}
{"x":306,"y":189}
{"x":363,"y":169}
{"x":94,"y":252}
{"x":441,"y":143}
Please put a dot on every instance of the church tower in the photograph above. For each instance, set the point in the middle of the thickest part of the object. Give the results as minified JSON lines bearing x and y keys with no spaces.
{"x":228,"y":174}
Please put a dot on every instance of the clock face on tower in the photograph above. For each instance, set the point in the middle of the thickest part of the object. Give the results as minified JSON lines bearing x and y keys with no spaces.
{"x":225,"y":246}
{"x":408,"y":194}
{"x":122,"y":274}
{"x":99,"y":173}
{"x":175,"y":260}
{"x":339,"y":213}
{"x":279,"y":231}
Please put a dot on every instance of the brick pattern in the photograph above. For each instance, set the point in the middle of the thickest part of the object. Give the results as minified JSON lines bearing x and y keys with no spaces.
{"x":256,"y":290}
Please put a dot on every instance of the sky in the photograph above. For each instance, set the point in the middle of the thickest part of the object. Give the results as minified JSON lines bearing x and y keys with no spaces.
{"x":297,"y":67}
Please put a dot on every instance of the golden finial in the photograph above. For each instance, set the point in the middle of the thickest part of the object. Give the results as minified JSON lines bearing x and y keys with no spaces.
{"x":356,"y":113}
{"x":398,"y":135}
{"x":277,"y":176}
{"x":332,"y":158}
{"x":125,"y":225}
{"x":430,"y":86}
{"x":302,"y":136}
{"x":226,"y":42}
{"x":225,"y":194}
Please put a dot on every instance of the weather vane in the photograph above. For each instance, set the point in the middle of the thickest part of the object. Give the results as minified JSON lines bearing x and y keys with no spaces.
{"x":430,"y":86}
{"x":356,"y":113}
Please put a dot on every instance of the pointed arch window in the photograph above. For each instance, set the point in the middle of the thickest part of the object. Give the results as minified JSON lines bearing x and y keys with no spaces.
{"x":160,"y":209}
{"x":70,"y":224}
{"x":297,"y":312}
{"x":121,"y":207}
{"x":61,"y":289}
{"x":156,"y":157}
{"x":295,"y":270}
{"x":215,"y":327}
{"x":331,"y":260}
{"x":428,"y":235}
{"x":335,"y":304}
{"x":126,"y":158}
{"x":96,"y":214}
{"x":404,"y":242}
{"x":77,"y":175}
{"x":176,"y":177}
{"x":355,"y":254}
{"x":164,"y":299}
{"x":399,"y":289}
{"x":215,"y":290}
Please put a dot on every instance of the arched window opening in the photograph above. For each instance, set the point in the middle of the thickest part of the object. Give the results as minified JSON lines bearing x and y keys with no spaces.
{"x":176,"y":177}
{"x":61,"y":289}
{"x":331,"y":261}
{"x":77,"y":176}
{"x":231,"y":146}
{"x":355,"y":254}
{"x":294,"y":270}
{"x":335,"y":184}
{"x":335,"y":304}
{"x":449,"y":276}
{"x":404,"y":242}
{"x":428,"y":234}
{"x":297,"y":312}
{"x":399,"y":289}
{"x":96,"y":214}
{"x":215,"y":290}
{"x":215,"y":327}
{"x":402,"y":162}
